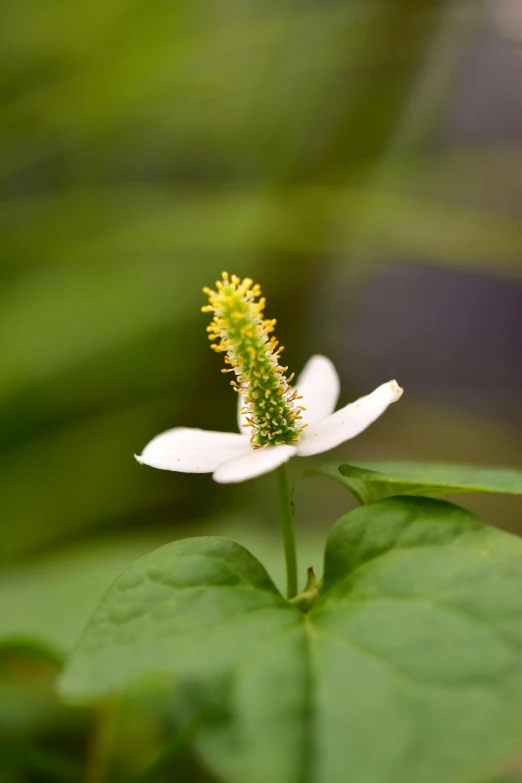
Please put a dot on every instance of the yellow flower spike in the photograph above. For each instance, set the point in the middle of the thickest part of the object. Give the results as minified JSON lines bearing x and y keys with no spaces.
{"x":243,"y":334}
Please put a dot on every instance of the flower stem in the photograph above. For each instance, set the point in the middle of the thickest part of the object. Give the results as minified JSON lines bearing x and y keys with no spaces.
{"x":286,"y":515}
{"x":96,"y":767}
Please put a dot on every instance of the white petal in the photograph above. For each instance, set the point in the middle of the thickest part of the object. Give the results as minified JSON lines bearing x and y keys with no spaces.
{"x":349,"y":421}
{"x":255,"y":463}
{"x":193,"y":451}
{"x":319,"y":384}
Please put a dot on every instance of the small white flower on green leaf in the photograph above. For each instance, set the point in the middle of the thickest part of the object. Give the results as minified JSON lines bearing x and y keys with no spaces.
{"x":276,"y":421}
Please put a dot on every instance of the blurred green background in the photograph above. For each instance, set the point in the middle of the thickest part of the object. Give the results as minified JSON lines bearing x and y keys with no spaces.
{"x":361,"y":159}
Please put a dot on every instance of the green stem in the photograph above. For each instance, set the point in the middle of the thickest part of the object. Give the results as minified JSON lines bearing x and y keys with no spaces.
{"x":102,"y":738}
{"x":286,"y":516}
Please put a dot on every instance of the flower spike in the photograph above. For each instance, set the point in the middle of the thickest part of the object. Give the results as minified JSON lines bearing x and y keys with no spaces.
{"x":239,"y":330}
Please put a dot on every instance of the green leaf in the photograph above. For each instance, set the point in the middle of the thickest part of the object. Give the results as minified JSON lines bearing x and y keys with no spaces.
{"x":422,"y":638}
{"x":407,"y":668}
{"x":377,"y":480}
{"x":89,"y":567}
{"x":194,"y":608}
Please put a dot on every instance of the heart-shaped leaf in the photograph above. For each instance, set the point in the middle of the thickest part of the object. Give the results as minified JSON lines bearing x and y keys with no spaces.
{"x":407,"y":668}
{"x":377,"y":480}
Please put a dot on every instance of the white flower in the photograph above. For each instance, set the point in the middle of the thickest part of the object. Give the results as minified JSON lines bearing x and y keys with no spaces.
{"x":231,"y":458}
{"x":273,"y":425}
